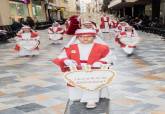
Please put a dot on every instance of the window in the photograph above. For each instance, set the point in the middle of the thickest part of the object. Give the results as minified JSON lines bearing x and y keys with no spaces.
{"x":18,"y":9}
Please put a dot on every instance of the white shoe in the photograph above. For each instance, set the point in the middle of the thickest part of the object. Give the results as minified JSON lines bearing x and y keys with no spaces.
{"x":90,"y":105}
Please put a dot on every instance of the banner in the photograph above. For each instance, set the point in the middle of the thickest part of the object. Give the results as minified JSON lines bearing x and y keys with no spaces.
{"x":90,"y":80}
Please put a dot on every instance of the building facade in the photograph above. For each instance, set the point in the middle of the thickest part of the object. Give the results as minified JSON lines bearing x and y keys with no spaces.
{"x":162,"y":11}
{"x":56,"y":9}
{"x":128,"y":7}
{"x":5,"y":13}
{"x":41,"y":10}
{"x":95,"y":6}
{"x":72,"y":7}
{"x":151,"y":8}
{"x":16,"y":9}
{"x":62,"y":9}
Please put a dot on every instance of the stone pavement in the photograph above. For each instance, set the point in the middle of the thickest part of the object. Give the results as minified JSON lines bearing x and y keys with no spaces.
{"x":35,"y":86}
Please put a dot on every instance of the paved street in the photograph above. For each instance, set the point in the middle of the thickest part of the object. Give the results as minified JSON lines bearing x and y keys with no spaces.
{"x":35,"y":86}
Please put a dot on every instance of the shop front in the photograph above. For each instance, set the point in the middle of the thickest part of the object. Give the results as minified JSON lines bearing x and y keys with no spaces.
{"x":24,"y":8}
{"x":37,"y":10}
{"x":162,"y":11}
{"x":18,"y":9}
{"x":56,"y":12}
{"x":128,"y":7}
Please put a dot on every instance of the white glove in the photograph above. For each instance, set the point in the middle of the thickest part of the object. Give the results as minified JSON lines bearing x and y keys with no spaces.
{"x":70,"y":62}
{"x":97,"y":64}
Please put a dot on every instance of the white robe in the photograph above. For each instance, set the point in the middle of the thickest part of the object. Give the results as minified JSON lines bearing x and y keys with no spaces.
{"x":55,"y":36}
{"x":128,"y":50}
{"x":135,"y":36}
{"x":23,"y":51}
{"x":106,"y":29}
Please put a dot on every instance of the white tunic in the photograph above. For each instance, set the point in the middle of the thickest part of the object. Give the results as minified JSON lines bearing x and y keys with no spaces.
{"x":24,"y":52}
{"x":55,"y":35}
{"x":84,"y":50}
{"x":135,"y":37}
{"x":106,"y":29}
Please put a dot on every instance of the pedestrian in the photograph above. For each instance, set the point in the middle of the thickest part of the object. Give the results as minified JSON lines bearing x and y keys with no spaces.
{"x":82,"y":51}
{"x":15,"y":26}
{"x":30,"y":22}
{"x":35,"y":22}
{"x":22,"y":21}
{"x":3,"y":35}
{"x":27,"y":42}
{"x":137,"y":25}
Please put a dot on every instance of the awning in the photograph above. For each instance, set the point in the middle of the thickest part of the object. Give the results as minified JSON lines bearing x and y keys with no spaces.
{"x":118,"y":4}
{"x":131,"y":0}
{"x":114,"y":3}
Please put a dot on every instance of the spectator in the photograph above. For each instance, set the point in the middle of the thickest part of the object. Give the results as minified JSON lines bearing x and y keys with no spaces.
{"x":35,"y":19}
{"x":16,"y":26}
{"x":138,"y":24}
{"x":35,"y":22}
{"x":3,"y":35}
{"x":30,"y":22}
{"x":22,"y":21}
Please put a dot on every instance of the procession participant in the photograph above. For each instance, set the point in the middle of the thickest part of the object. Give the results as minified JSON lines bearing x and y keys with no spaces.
{"x":114,"y":23}
{"x":88,"y":25}
{"x":119,"y":29}
{"x":82,"y":51}
{"x":26,"y":34}
{"x":72,"y":24}
{"x":56,"y":33}
{"x":105,"y":23}
{"x":128,"y":40}
{"x":121,"y":26}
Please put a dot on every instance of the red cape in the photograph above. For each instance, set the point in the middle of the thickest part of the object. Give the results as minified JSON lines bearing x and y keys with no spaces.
{"x":73,"y":25}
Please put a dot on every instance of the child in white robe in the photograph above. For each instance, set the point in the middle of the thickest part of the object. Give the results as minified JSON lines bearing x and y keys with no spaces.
{"x":105,"y":23}
{"x":56,"y":33}
{"x":27,"y":34}
{"x":85,"y":52}
{"x":128,"y":40}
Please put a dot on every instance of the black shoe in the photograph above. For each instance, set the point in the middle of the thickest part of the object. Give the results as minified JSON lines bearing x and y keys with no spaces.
{"x":129,"y":55}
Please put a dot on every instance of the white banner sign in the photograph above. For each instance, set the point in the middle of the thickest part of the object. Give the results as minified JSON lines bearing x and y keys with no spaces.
{"x":90,"y":80}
